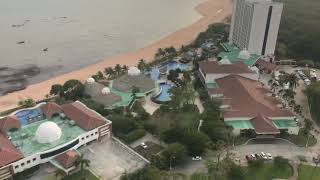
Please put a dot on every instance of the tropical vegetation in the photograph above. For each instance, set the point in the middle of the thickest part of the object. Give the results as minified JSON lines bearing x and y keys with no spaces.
{"x":298,"y":34}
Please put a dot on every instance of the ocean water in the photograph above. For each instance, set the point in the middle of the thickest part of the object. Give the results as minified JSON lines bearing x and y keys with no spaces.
{"x":58,"y":36}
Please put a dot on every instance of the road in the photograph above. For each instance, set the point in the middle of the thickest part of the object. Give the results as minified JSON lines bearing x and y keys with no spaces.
{"x":276,"y":147}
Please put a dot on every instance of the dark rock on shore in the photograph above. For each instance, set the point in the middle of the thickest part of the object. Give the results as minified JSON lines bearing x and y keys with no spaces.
{"x":15,"y":79}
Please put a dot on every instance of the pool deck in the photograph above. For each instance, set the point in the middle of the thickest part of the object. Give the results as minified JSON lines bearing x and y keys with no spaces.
{"x":24,"y":138}
{"x":246,"y":124}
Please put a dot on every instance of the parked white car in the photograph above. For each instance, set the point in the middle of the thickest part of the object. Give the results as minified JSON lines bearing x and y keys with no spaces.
{"x":264,"y":156}
{"x":269,"y":156}
{"x":144,"y":146}
{"x":196,"y":158}
{"x":307,"y":81}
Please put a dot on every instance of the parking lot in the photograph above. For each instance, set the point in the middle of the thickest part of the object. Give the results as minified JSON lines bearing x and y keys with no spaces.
{"x":110,"y":159}
{"x":276,"y":147}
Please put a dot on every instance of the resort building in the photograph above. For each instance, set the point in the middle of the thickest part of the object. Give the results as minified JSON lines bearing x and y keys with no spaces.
{"x":118,"y":92}
{"x":255,"y":25}
{"x":48,"y":133}
{"x":246,"y":104}
{"x":232,"y":54}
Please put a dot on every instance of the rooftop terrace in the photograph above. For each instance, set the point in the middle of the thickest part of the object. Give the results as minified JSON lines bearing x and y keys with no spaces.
{"x":232,"y":53}
{"x":246,"y":124}
{"x":24,"y":138}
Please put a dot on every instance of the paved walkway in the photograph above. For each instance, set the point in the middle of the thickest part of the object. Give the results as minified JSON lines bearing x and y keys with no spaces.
{"x":149,"y":105}
{"x":148,"y":137}
{"x":275,"y":147}
{"x":295,"y":171}
{"x":198,"y":102}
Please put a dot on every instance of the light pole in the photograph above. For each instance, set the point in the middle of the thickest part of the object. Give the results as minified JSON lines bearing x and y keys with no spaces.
{"x":307,"y":140}
{"x":171,"y":157}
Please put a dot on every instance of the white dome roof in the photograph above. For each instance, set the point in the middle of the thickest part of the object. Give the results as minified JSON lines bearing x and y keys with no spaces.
{"x":90,"y":80}
{"x":134,"y":71}
{"x":105,"y":91}
{"x":244,"y":54}
{"x":48,"y":132}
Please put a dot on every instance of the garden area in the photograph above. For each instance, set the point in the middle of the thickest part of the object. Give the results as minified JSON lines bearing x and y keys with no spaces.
{"x":85,"y":175}
{"x":268,"y":171}
{"x":308,"y":172}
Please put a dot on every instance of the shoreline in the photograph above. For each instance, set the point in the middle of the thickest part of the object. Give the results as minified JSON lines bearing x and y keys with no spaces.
{"x":212,"y":11}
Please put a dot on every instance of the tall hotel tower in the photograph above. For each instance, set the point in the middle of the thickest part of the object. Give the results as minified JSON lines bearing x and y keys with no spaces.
{"x":255,"y":25}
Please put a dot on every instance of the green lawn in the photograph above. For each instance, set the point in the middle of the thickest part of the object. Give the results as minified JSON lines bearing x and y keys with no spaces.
{"x":164,"y":121}
{"x":301,"y":139}
{"x":308,"y":173}
{"x":75,"y":176}
{"x":268,"y":172}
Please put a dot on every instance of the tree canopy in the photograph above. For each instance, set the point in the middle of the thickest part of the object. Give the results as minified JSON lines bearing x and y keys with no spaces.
{"x":313,"y":93}
{"x":73,"y":89}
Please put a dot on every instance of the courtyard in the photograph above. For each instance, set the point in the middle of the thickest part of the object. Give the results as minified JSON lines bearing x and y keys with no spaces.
{"x":110,"y":159}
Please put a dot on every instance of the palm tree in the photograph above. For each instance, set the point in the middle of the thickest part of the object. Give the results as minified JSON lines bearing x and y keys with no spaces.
{"x":297,"y":109}
{"x":125,"y":68}
{"x":27,"y":103}
{"x":59,"y":174}
{"x":160,"y":53}
{"x":118,"y":69}
{"x":288,"y":94}
{"x":188,"y":94}
{"x":84,"y":163}
{"x":220,"y":145}
{"x":292,"y":103}
{"x":293,"y":80}
{"x":109,"y":72}
{"x":142,"y":65}
{"x":274,"y":86}
{"x":134,"y":92}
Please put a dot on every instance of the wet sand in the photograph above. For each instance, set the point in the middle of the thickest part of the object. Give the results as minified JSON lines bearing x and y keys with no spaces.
{"x":212,"y":11}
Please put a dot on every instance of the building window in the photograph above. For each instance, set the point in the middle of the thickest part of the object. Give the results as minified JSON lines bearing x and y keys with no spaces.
{"x":82,"y":138}
{"x":96,"y":133}
{"x":28,"y":161}
{"x":22,"y":164}
{"x":92,"y":134}
{"x":87,"y":136}
{"x":61,"y":150}
{"x":34,"y":159}
{"x":16,"y":167}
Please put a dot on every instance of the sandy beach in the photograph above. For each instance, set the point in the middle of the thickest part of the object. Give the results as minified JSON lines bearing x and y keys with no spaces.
{"x":211,"y":10}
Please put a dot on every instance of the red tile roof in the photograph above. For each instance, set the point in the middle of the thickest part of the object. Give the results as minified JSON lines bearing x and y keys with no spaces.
{"x":210,"y":67}
{"x":8,"y":153}
{"x":248,"y":98}
{"x":67,"y":159}
{"x":84,"y":117}
{"x":49,"y":109}
{"x":9,"y":122}
{"x":263,"y":125}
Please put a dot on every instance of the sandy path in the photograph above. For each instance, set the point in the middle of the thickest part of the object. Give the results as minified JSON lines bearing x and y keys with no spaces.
{"x":211,"y":10}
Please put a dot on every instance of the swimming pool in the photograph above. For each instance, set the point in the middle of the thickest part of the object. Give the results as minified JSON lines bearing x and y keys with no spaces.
{"x":28,"y":116}
{"x":174,"y":65}
{"x":164,"y":95}
{"x":155,"y":74}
